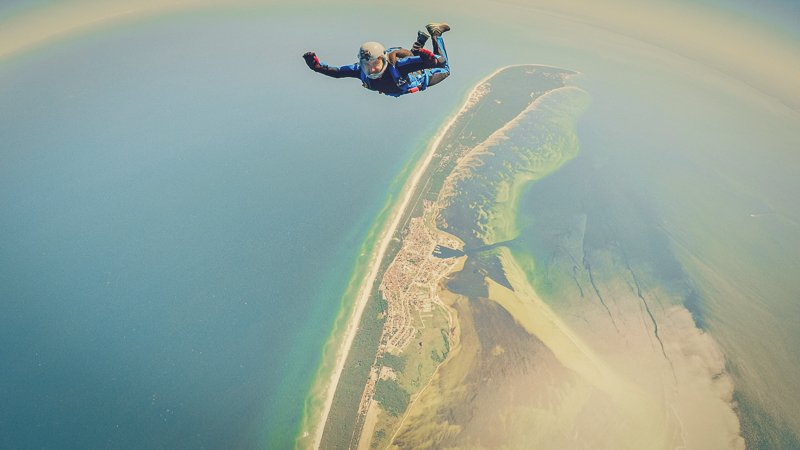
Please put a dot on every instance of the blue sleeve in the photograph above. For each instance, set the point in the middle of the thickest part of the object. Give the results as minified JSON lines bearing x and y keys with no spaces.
{"x":349,"y":71}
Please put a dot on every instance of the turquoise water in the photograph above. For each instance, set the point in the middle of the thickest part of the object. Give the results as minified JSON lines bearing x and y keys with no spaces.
{"x":182,"y":202}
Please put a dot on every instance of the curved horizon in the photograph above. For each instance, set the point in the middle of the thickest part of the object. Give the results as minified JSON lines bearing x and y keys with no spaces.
{"x":734,"y":39}
{"x":36,"y":27}
{"x":748,"y":52}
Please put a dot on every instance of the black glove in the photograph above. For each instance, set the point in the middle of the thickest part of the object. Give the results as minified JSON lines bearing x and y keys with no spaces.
{"x":312,"y":61}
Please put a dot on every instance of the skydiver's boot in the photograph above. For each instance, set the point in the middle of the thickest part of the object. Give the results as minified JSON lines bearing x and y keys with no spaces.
{"x":422,"y":38}
{"x":436,"y":29}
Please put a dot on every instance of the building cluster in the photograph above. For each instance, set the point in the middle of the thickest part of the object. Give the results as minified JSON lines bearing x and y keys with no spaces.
{"x":409,"y":284}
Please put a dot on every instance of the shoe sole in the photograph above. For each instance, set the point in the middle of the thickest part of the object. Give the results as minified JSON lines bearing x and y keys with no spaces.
{"x":437,"y":28}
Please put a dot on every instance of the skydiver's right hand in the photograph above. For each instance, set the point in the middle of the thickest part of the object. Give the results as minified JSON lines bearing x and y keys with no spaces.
{"x":311,"y":60}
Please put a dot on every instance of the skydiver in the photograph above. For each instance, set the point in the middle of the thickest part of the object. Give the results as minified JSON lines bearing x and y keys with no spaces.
{"x":398,"y":71}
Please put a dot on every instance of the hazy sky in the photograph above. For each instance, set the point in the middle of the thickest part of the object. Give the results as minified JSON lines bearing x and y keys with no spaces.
{"x":752,"y":42}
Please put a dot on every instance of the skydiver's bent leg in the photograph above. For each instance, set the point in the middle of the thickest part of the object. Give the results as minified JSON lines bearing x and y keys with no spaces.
{"x":440,"y":51}
{"x":438,"y":74}
{"x":422,"y":38}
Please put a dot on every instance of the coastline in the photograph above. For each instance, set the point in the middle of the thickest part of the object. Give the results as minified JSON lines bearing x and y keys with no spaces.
{"x":594,"y":365}
{"x":378,"y":253}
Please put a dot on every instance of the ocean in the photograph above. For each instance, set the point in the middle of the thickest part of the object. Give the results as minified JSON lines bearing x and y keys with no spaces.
{"x":182,"y":203}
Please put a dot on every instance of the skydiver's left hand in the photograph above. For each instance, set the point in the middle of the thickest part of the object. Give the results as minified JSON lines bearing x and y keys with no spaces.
{"x":311,"y":60}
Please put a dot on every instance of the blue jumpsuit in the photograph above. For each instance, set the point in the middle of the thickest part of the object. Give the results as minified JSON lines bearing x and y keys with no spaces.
{"x":408,"y":74}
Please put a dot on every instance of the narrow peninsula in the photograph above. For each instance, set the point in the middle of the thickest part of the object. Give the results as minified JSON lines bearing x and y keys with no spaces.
{"x":468,"y":332}
{"x":402,"y":287}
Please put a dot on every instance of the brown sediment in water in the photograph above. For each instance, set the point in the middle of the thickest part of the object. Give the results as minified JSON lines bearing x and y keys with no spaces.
{"x":627,"y":369}
{"x":615,"y":362}
{"x":525,"y":377}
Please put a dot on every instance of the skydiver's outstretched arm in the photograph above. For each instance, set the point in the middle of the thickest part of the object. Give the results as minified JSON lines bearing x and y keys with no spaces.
{"x":350,"y":71}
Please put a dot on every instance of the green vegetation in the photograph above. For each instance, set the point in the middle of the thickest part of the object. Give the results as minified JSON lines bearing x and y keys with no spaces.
{"x":435,"y":356}
{"x":392,"y":398}
{"x":397,"y":363}
{"x":340,"y":424}
{"x":379,"y":436}
{"x":497,"y":108}
{"x":446,"y":338}
{"x":418,"y":366}
{"x":340,"y":429}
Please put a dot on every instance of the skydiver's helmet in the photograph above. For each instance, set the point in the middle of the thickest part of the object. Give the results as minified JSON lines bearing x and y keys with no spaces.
{"x":373,"y":60}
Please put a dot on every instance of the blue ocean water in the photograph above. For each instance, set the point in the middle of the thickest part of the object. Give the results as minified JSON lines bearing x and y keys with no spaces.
{"x":181,"y":205}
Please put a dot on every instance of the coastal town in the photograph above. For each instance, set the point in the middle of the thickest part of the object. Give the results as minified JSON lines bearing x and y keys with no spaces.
{"x":403,"y":306}
{"x":410,"y":287}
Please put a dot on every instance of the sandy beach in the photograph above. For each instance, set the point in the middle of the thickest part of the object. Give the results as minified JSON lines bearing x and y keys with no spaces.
{"x":378,"y":255}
